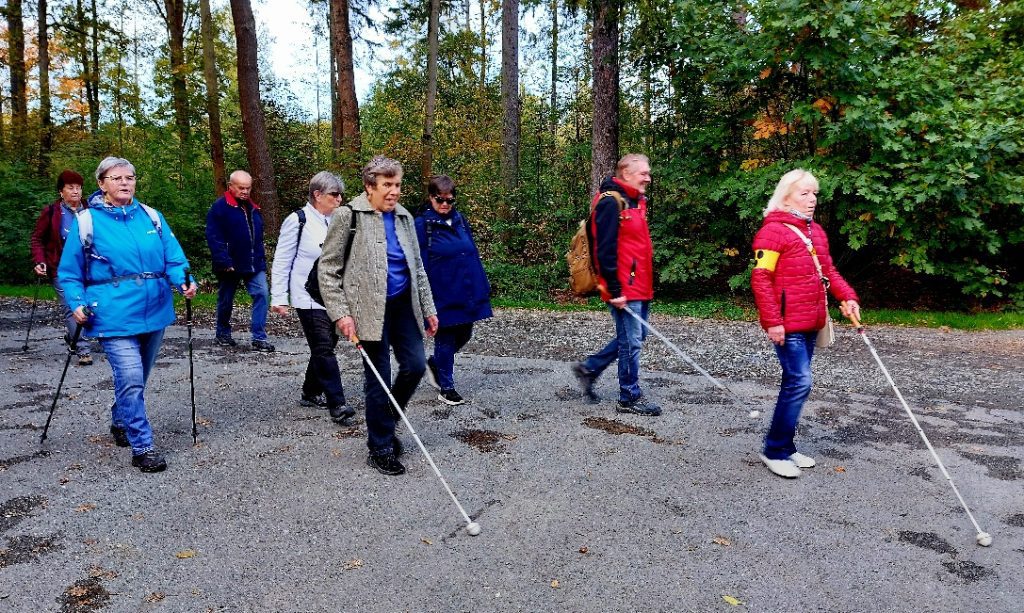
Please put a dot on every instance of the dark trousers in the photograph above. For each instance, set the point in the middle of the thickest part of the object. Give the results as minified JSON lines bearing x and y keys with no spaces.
{"x":322,"y":373}
{"x":448,"y":341}
{"x":403,"y":333}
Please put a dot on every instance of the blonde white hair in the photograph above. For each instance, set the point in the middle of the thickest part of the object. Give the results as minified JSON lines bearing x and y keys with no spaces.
{"x":785,"y":187}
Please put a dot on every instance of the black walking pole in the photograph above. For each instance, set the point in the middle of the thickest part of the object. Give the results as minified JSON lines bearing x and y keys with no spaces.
{"x":191,"y":369}
{"x":32,"y":313}
{"x":72,"y":349}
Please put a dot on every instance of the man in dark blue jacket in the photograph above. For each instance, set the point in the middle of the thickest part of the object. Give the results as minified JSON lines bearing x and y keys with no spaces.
{"x":234,"y":232}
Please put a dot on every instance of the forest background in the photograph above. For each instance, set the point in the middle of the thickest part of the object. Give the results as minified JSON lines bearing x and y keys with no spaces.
{"x":910,"y":113}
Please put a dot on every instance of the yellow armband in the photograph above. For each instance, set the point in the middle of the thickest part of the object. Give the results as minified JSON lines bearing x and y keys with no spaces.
{"x":764,"y":258}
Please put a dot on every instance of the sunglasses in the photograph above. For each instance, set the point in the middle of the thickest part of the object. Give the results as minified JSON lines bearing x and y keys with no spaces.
{"x":441,"y":200}
{"x":334,"y":194}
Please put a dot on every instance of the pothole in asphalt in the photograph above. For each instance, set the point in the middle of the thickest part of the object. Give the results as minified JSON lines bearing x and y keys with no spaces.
{"x":84,"y":595}
{"x":483,"y":440}
{"x":26,"y":548}
{"x":612,"y":426}
{"x":927,"y":540}
{"x":16,"y":509}
{"x":1015,"y":520}
{"x":1004,"y":468}
{"x":9,"y":462}
{"x":967,"y":570}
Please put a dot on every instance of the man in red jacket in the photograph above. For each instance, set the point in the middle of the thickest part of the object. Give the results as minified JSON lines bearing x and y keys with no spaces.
{"x":624,"y":260}
{"x":47,"y":242}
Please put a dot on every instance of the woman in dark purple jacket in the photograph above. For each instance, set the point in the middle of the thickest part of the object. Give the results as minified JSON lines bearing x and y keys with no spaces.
{"x":462,"y":294}
{"x":48,"y":243}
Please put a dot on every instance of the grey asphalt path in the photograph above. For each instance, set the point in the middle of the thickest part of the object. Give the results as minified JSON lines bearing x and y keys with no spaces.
{"x":275,"y":510}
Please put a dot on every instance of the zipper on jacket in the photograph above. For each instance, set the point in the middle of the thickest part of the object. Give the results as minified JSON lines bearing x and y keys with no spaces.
{"x":252,"y":236}
{"x":782,"y":305}
{"x":632,"y":272}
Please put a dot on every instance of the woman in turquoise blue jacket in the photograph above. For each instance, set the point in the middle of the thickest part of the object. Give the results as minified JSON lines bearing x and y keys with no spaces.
{"x":118,"y":268}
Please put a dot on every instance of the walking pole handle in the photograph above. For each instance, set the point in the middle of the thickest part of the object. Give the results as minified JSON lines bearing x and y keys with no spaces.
{"x":856,"y":322}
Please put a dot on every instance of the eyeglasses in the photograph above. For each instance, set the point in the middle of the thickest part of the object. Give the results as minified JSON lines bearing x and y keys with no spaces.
{"x":118,"y":179}
{"x":441,"y":200}
{"x":334,"y":194}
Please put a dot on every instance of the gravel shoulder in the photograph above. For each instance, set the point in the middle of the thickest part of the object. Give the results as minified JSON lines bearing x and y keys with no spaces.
{"x":581,"y":508}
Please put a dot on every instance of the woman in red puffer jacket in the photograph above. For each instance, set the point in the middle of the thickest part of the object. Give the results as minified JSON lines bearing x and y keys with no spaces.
{"x":791,"y":301}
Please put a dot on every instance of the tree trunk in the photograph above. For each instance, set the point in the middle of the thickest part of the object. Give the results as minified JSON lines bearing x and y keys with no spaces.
{"x":16,"y":62}
{"x":174,"y":19}
{"x":553,"y":119}
{"x":335,"y":125}
{"x":605,"y":132}
{"x":253,"y":122}
{"x":212,"y":97}
{"x":45,"y":119}
{"x":347,"y":115}
{"x":94,"y":73}
{"x":428,"y":115}
{"x":483,"y":44}
{"x":510,"y":127}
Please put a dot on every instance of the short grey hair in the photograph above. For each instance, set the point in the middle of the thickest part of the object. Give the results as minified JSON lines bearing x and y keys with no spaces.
{"x":109,"y":163}
{"x":628,"y":160}
{"x":380,"y":166}
{"x":784,"y":188}
{"x":325,"y":182}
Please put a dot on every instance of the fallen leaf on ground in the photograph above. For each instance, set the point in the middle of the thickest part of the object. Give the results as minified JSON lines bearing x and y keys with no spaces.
{"x":185,"y":554}
{"x":721,"y":540}
{"x":732,"y":600}
{"x":77,"y":591}
{"x":138,"y":516}
{"x":555,"y":584}
{"x":426,"y":541}
{"x":100,"y":572}
{"x":840,"y":469}
{"x":75,"y":467}
{"x":202,"y":421}
{"x":85,"y":507}
{"x":584,"y":549}
{"x":337,"y":453}
{"x":154,"y":597}
{"x":352,"y":564}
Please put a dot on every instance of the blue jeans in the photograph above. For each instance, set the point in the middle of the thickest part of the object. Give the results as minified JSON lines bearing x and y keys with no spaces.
{"x":403,"y":333}
{"x":795,"y":357}
{"x":132,"y":358}
{"x":256,"y":285}
{"x":448,"y":341}
{"x":69,"y":320}
{"x":625,"y":347}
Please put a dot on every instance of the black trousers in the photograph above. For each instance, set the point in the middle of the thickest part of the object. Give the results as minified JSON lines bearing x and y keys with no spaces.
{"x":322,"y":373}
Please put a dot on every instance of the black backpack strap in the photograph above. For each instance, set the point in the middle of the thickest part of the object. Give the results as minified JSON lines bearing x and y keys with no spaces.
{"x":301,"y":214}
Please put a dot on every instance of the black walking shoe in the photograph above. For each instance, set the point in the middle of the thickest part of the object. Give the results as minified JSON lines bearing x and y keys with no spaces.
{"x":149,"y":462}
{"x":341,"y":414}
{"x":386,"y":464}
{"x":263,"y":346}
{"x":120,"y":436}
{"x":586,"y":379}
{"x":313,"y":401}
{"x":432,"y":374}
{"x":397,"y":448}
{"x":451,"y":397}
{"x":225,"y":341}
{"x":639,"y":406}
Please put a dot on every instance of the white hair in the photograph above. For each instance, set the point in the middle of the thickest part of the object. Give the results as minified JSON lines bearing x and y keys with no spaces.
{"x":785,"y":186}
{"x":110,"y":163}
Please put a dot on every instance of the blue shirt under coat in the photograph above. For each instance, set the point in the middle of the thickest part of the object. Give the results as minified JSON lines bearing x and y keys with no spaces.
{"x":125,"y":242}
{"x":398,"y":269}
{"x":458,"y":281}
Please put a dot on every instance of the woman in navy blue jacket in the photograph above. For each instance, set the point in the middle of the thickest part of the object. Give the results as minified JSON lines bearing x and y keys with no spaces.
{"x":457,"y":280}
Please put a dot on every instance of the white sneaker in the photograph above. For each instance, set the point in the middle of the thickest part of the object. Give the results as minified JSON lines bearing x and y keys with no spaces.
{"x":801,"y":460}
{"x":782,"y":468}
